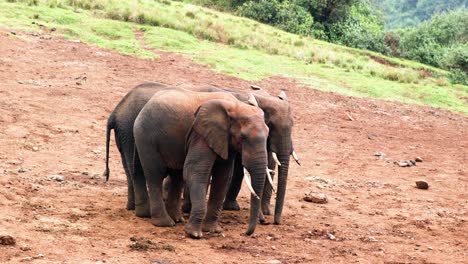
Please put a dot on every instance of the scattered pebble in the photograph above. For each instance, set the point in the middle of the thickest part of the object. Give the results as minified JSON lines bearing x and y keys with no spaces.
{"x":25,"y":248}
{"x":379,"y":154}
{"x":406,"y":163}
{"x":319,"y":198}
{"x":58,"y":178}
{"x":7,"y":240}
{"x":422,"y":184}
{"x":430,"y":248}
{"x":331,"y":236}
{"x":418,"y":159}
{"x":274,"y":261}
{"x":255,"y":87}
{"x":35,"y":149}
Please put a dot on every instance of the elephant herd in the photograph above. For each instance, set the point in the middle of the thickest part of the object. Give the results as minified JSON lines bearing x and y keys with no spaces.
{"x":175,"y":141}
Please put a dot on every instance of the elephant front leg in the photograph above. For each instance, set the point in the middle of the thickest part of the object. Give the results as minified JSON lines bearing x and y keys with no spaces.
{"x":222,"y":173}
{"x":230,"y":203}
{"x":197,"y":170}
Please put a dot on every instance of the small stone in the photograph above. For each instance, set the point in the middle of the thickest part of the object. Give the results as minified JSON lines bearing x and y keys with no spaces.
{"x":405,"y":163}
{"x":58,"y":178}
{"x":274,"y":261}
{"x":319,"y":198}
{"x":7,"y":240}
{"x":21,"y":170}
{"x":35,"y":149}
{"x":96,"y":151}
{"x":255,"y":87}
{"x":379,"y":154}
{"x":430,"y":248}
{"x":331,"y":236}
{"x":273,"y":247}
{"x":422,"y":184}
{"x":418,"y":159}
{"x":25,"y":248}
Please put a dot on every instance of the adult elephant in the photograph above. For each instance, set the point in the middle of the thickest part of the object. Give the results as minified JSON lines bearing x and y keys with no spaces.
{"x":121,"y":120}
{"x":277,"y":117}
{"x":279,"y":120}
{"x":169,"y":137}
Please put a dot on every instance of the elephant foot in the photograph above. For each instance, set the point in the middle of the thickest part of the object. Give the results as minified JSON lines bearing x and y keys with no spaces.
{"x":142,"y":211}
{"x":266,"y":209}
{"x":212,"y":227}
{"x":130,"y":205}
{"x":193,"y":231}
{"x":162,"y":221}
{"x":177,"y":216}
{"x":231,"y":206}
{"x":186,"y":207}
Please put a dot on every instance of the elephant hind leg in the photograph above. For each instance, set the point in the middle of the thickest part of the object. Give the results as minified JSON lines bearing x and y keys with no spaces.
{"x":154,"y":171}
{"x":173,"y":199}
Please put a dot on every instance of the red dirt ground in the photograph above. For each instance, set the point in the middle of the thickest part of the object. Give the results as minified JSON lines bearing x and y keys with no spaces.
{"x":56,"y":95}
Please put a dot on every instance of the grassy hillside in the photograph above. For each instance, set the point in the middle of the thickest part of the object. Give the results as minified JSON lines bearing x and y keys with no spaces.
{"x":235,"y":46}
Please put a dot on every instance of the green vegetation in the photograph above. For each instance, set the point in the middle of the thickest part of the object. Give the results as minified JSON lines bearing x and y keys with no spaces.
{"x":410,"y":13}
{"x":236,"y":46}
{"x":354,"y":23}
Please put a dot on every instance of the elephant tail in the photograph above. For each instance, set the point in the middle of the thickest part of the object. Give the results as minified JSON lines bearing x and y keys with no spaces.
{"x":110,"y":126}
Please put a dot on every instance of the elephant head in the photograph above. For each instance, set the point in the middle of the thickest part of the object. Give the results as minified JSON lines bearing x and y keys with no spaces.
{"x":229,"y":126}
{"x":279,"y":120}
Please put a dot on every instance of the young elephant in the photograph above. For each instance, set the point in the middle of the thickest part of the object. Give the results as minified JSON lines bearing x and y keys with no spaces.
{"x":170,"y":138}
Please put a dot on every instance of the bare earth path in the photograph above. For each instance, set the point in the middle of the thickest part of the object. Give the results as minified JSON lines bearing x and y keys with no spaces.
{"x":55,"y":96}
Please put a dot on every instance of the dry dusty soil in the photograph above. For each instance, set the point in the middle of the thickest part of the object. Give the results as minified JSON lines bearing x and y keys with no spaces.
{"x":56,"y":95}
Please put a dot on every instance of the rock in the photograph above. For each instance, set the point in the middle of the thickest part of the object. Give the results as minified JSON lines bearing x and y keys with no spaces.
{"x":331,"y":236}
{"x":379,"y":154}
{"x":7,"y":240}
{"x":35,"y":149}
{"x":58,"y":178}
{"x":405,"y":163}
{"x":255,"y":87}
{"x":319,"y":198}
{"x":274,"y":261}
{"x":25,"y":248}
{"x":422,"y":184}
{"x":418,"y":159}
{"x":96,"y":151}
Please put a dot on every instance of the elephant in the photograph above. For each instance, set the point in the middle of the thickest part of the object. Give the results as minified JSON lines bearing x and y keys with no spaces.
{"x":190,"y":136}
{"x":279,"y":120}
{"x":277,"y":117}
{"x":121,"y":120}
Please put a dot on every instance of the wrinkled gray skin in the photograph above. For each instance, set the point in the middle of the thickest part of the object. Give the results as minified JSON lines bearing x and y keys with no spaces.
{"x":170,"y":138}
{"x":277,"y":117}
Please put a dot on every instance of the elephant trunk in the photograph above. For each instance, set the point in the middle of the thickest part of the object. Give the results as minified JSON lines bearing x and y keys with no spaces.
{"x":283,"y":157}
{"x":257,"y":170}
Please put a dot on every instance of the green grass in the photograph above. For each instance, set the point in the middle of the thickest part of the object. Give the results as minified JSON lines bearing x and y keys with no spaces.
{"x":237,"y":46}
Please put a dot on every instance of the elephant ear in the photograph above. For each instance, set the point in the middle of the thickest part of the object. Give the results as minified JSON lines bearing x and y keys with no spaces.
{"x":212,"y":122}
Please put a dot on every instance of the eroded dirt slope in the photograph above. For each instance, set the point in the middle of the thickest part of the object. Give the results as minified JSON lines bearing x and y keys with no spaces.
{"x":55,"y":96}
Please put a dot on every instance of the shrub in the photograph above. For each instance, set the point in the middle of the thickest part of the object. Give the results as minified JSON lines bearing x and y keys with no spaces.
{"x":285,"y":15}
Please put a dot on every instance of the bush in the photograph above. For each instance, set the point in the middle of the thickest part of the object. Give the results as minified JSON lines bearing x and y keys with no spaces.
{"x":285,"y":15}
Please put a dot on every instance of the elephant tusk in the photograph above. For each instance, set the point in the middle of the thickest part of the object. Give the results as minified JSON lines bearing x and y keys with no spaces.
{"x":276,"y":158}
{"x":270,"y":179}
{"x":249,"y":183}
{"x":298,"y":161}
